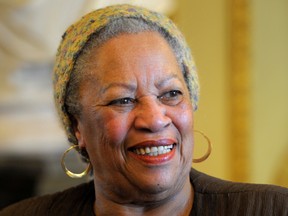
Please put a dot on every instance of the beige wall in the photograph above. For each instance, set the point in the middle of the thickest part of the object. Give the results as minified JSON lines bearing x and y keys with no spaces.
{"x":269,"y":105}
{"x":204,"y":25}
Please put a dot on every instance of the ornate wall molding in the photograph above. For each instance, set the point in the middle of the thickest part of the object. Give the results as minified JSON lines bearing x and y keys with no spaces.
{"x":239,"y":88}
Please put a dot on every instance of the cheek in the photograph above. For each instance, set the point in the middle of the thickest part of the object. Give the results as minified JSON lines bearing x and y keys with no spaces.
{"x":115,"y":128}
{"x":183,"y":118}
{"x":183,"y":121}
{"x":106,"y":136}
{"x":110,"y":128}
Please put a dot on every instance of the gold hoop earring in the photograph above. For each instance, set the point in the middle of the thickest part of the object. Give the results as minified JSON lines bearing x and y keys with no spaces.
{"x":68,"y":172}
{"x":207,"y":154}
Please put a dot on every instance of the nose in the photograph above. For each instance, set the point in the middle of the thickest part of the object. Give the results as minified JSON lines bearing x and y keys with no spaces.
{"x":151,"y":115}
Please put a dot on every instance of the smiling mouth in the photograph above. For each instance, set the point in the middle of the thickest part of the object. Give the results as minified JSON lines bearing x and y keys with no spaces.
{"x":153,"y":150}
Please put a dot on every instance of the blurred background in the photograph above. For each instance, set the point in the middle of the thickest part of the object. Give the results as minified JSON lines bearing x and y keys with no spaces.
{"x":240,"y":48}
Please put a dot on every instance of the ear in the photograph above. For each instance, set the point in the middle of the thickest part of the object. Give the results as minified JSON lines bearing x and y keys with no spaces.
{"x":78,"y":130}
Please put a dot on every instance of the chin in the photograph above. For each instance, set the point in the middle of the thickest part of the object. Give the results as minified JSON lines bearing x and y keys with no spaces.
{"x":158,"y":184}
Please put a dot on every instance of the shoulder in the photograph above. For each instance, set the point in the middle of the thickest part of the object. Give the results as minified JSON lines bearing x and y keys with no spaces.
{"x":227,"y":196}
{"x":67,"y":202}
{"x":207,"y":184}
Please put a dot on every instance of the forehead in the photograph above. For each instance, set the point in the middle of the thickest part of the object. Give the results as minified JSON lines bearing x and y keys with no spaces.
{"x":126,"y":53}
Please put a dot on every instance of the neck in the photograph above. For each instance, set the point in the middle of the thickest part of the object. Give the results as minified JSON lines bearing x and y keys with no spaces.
{"x":180,"y":204}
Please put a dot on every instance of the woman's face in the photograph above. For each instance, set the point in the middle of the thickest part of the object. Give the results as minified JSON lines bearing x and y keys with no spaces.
{"x":137,"y":119}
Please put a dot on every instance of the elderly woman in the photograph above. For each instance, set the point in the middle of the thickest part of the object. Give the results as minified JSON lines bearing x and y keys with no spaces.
{"x":126,"y":89}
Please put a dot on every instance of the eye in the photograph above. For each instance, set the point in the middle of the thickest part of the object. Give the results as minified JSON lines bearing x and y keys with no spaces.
{"x":171,"y":97}
{"x":122,"y":102}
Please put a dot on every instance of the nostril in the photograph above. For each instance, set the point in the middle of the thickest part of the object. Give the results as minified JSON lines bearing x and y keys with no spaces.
{"x":152,"y":122}
{"x":147,"y":130}
{"x":151,"y":115}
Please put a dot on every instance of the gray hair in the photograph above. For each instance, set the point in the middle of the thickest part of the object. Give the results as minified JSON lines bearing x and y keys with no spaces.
{"x":113,"y":29}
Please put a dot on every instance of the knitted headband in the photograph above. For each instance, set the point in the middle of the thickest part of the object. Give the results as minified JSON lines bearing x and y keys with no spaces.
{"x":77,"y":35}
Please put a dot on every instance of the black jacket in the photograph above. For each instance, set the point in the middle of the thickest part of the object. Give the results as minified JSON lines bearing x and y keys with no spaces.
{"x":212,"y":197}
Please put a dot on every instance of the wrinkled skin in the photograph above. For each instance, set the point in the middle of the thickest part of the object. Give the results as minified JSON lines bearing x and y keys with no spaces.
{"x":135,"y":94}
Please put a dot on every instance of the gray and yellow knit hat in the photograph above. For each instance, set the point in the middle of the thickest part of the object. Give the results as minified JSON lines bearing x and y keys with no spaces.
{"x":77,"y":35}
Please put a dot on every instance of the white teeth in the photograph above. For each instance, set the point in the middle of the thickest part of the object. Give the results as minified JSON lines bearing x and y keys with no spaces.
{"x":153,"y":151}
{"x":142,"y":151}
{"x":147,"y":150}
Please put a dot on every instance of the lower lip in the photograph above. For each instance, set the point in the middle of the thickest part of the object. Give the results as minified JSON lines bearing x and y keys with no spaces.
{"x":160,"y":159}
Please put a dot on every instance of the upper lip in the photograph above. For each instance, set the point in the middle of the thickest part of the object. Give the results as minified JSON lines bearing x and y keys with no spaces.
{"x":151,"y":143}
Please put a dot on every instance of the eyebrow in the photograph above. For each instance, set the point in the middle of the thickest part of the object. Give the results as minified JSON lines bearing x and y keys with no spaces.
{"x":132,"y":87}
{"x":167,"y":79}
{"x":127,"y":86}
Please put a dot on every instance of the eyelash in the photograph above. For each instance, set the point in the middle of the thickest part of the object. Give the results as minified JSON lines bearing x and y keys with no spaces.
{"x":174,"y":92}
{"x":122,"y":101}
{"x":172,"y":97}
